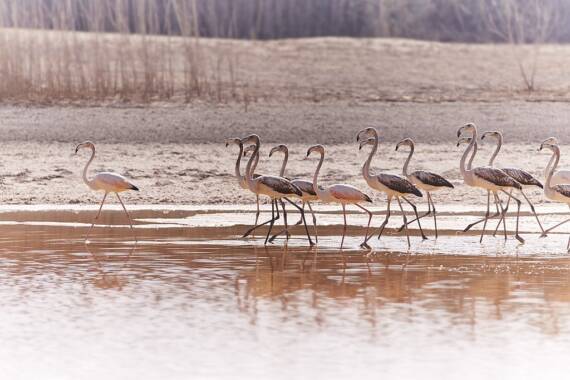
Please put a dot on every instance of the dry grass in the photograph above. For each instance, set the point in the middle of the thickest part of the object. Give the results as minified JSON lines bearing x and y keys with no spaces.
{"x":52,"y":66}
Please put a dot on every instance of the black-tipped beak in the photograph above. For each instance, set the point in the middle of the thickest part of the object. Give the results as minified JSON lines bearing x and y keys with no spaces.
{"x":76,"y":150}
{"x":360,"y":147}
{"x":458,"y":133}
{"x":397,"y":146}
{"x":358,"y":137}
{"x":227,"y":144}
{"x":457,"y":145}
{"x":483,"y":137}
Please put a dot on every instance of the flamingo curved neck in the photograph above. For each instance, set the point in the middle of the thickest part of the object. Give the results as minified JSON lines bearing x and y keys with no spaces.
{"x":238,"y":163}
{"x":85,"y":179}
{"x":315,"y":177}
{"x":366,"y":166}
{"x":556,"y":159}
{"x":497,"y":150}
{"x":251,"y":165}
{"x":284,"y":164}
{"x":405,"y":168}
{"x":470,"y":163}
{"x":465,"y":171}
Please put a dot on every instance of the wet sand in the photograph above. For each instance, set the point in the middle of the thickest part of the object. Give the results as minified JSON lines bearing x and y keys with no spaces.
{"x":180,"y":304}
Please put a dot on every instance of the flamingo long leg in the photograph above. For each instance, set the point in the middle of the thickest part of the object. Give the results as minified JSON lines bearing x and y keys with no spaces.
{"x":503,"y":218}
{"x":314,"y":221}
{"x":517,"y":236}
{"x":256,"y":214}
{"x":287,"y":234}
{"x":255,"y":227}
{"x":301,"y":219}
{"x":274,"y":206}
{"x":304,"y":219}
{"x":383,"y":226}
{"x":486,"y":215}
{"x":405,"y":220}
{"x":533,"y":210}
{"x":96,"y":216}
{"x":422,"y":216}
{"x":430,"y":200}
{"x":364,"y":244}
{"x":496,"y":214}
{"x":128,"y":215}
{"x":554,"y":227}
{"x":345,"y":225}
{"x":424,"y":237}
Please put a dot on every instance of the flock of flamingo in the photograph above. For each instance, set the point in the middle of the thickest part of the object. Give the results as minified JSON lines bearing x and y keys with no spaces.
{"x":508,"y":182}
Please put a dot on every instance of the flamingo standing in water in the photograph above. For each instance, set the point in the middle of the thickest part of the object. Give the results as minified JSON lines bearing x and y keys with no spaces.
{"x":424,"y":180}
{"x":107,"y":182}
{"x":491,"y":179}
{"x":340,"y":193}
{"x":521,"y":176}
{"x":394,"y":186}
{"x":305,"y":186}
{"x":241,"y":178}
{"x":276,"y":188}
{"x":558,"y":193}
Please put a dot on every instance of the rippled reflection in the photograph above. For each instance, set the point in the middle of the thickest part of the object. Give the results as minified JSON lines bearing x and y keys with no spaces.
{"x":169,"y":309}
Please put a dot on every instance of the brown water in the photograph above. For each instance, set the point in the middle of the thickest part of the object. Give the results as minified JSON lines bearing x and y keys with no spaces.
{"x":177,"y":305}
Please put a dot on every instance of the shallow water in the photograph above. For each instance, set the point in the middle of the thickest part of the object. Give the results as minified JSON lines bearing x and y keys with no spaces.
{"x":177,"y":305}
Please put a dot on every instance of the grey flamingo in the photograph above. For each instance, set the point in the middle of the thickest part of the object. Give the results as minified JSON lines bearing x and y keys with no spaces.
{"x":394,"y":186}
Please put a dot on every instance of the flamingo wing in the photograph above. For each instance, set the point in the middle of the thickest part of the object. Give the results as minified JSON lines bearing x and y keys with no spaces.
{"x":305,"y":186}
{"x":431,"y":179}
{"x":398,"y":183}
{"x":348,"y":193}
{"x":562,"y":189}
{"x":279,"y":184}
{"x":113,"y":182}
{"x":496,"y":177}
{"x":522,"y":177}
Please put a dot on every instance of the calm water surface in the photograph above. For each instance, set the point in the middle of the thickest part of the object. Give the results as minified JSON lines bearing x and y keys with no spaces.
{"x":174,"y":309}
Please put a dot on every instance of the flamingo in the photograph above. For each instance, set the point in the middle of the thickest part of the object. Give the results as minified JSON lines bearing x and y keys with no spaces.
{"x":491,"y":179}
{"x":558,"y":193}
{"x":276,"y":188}
{"x":521,"y":176}
{"x":560,"y":176}
{"x":241,"y":178}
{"x":107,"y":182}
{"x":394,"y":186}
{"x":305,"y":186}
{"x":424,"y":180}
{"x":340,"y":193}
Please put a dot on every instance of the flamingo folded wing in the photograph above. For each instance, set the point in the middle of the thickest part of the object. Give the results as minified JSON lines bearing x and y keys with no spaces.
{"x":348,"y":193}
{"x":112,"y":182}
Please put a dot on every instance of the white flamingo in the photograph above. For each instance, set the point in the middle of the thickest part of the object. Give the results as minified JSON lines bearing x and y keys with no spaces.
{"x":424,"y":180}
{"x":107,"y":182}
{"x":523,"y":177}
{"x":491,"y":179}
{"x":558,"y":193}
{"x":342,"y":194}
{"x":560,"y":176}
{"x":305,"y":186}
{"x":394,"y":186}
{"x":276,"y":188}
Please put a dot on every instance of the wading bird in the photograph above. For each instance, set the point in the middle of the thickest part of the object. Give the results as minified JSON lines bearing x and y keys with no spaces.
{"x":339,"y":193}
{"x":424,"y":180}
{"x":521,"y":176}
{"x":107,"y":182}
{"x":306,"y":188}
{"x":394,"y":186}
{"x":491,"y":179}
{"x":558,"y":193}
{"x":560,"y":176}
{"x":276,"y":188}
{"x":241,"y":178}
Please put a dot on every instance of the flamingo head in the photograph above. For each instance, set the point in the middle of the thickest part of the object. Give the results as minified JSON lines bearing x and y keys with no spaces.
{"x":464,"y":140}
{"x":233,"y":140}
{"x":316,"y":148}
{"x":85,"y":144}
{"x":550,"y":143}
{"x":363,"y":143}
{"x":496,"y":134}
{"x":366,"y":132}
{"x":405,"y":142}
{"x":279,"y":148}
{"x":469,"y":127}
